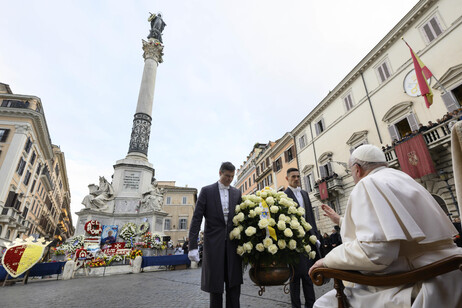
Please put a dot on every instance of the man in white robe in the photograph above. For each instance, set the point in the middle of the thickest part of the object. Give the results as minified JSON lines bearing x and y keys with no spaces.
{"x":391,"y":224}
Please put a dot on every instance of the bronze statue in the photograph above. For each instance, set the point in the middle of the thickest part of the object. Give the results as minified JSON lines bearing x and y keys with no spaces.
{"x":157,"y":26}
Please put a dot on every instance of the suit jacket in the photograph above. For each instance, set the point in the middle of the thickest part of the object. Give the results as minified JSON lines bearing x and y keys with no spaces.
{"x":309,"y":217}
{"x":216,"y":239}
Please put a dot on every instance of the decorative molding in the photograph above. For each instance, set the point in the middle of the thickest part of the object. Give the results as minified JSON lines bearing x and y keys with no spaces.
{"x":356,"y":137}
{"x":396,"y":111}
{"x":139,"y":140}
{"x":153,"y":49}
{"x":326,"y":156}
{"x":451,"y":79}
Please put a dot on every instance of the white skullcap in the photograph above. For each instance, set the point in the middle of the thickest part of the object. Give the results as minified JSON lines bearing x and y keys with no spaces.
{"x":369,"y":153}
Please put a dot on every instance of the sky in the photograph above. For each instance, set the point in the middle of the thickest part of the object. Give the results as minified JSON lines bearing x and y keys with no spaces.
{"x":234,"y":73}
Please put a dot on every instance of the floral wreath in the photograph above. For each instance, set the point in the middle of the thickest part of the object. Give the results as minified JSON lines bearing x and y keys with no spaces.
{"x":93,"y":227}
{"x":142,"y":228}
{"x":128,"y":231}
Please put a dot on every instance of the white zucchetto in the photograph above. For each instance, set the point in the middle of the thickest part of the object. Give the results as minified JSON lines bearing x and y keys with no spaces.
{"x":369,"y":153}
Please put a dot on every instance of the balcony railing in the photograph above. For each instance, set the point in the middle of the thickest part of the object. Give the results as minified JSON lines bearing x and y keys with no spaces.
{"x":334,"y":187}
{"x":433,"y":137}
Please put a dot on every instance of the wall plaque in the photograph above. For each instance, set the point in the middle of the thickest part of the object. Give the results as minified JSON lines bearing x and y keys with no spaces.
{"x":131,"y":180}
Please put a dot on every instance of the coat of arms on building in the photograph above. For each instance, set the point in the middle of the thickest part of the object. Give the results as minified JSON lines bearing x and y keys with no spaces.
{"x":413,"y":159}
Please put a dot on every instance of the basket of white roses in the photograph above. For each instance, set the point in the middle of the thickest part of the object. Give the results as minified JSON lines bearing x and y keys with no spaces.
{"x":271,"y":232}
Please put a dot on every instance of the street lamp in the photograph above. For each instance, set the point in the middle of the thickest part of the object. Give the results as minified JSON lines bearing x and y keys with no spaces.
{"x":444,"y":175}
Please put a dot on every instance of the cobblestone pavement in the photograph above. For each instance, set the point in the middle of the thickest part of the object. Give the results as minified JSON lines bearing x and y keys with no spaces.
{"x":180,"y":288}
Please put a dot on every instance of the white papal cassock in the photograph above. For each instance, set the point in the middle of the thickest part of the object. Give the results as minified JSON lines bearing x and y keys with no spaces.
{"x":393,"y":224}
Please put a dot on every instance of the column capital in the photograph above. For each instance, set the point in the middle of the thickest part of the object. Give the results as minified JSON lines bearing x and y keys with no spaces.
{"x":153,"y":49}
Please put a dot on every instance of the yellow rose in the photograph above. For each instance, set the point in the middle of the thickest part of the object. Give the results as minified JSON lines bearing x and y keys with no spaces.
{"x":301,"y":211}
{"x":271,"y":222}
{"x":251,"y":213}
{"x":301,"y":232}
{"x":292,"y":244}
{"x":258,"y":193}
{"x":240,"y":216}
{"x":288,"y":232}
{"x":270,"y":201}
{"x":260,"y":247}
{"x":248,"y":247}
{"x":235,"y":221}
{"x":282,"y":244}
{"x":308,"y":248}
{"x":281,"y":225}
{"x":272,"y":249}
{"x":267,"y":242}
{"x":292,"y":209}
{"x":258,"y":211}
{"x":240,"y":250}
{"x":237,"y":209}
{"x":307,"y":227}
{"x":294,"y":224}
{"x":263,"y":223}
{"x":274,"y":209}
{"x":313,"y":239}
{"x":250,"y":231}
{"x":312,"y":254}
{"x":282,"y":217}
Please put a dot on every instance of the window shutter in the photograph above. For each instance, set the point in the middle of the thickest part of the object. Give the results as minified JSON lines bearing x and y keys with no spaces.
{"x":316,"y":127}
{"x":329,"y":169}
{"x":412,"y":122}
{"x":323,"y":171}
{"x":450,"y":101}
{"x":286,"y":156}
{"x":267,"y":162}
{"x":5,"y":135}
{"x":393,"y":132}
{"x":436,"y":27}
{"x":11,"y":199}
{"x":274,"y":166}
{"x":292,"y":149}
{"x":323,"y":125}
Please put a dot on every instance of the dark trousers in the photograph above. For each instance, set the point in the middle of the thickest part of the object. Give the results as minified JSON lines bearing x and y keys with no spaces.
{"x":301,"y":273}
{"x":232,"y":294}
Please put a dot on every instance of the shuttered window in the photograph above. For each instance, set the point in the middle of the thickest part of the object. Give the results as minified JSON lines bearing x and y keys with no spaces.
{"x":4,"y":134}
{"x":384,"y":71}
{"x":432,"y":29}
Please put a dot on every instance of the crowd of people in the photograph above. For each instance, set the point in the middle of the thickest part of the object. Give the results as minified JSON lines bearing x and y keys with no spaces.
{"x":329,"y":242}
{"x":325,"y":179}
{"x":454,"y":115}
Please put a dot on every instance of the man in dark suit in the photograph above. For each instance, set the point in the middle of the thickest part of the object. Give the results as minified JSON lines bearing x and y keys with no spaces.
{"x":301,"y":269}
{"x":221,"y":265}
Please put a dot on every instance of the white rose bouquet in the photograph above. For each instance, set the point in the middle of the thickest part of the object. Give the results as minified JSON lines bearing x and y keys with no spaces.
{"x":270,"y":227}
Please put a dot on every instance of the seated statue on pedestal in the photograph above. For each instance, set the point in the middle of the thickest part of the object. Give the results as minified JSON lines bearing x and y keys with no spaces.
{"x":99,"y":195}
{"x":153,"y":198}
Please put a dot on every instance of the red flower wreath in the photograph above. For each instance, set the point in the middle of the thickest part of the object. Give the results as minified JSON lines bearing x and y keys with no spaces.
{"x":93,"y":227}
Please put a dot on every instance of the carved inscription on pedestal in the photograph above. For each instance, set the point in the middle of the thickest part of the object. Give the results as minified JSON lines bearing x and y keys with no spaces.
{"x":131,"y":180}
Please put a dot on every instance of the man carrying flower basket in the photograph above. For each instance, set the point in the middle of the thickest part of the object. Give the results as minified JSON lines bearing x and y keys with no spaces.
{"x":221,"y":264}
{"x":301,"y":269}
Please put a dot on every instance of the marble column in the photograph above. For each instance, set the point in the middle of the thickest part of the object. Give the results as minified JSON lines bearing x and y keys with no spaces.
{"x":139,"y":141}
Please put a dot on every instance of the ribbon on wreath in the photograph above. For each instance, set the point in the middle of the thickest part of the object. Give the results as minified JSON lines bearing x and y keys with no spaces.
{"x":265,"y":213}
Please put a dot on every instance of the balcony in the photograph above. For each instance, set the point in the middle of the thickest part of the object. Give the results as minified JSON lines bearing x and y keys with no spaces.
{"x":435,"y":137}
{"x":48,"y":183}
{"x":334,"y":188}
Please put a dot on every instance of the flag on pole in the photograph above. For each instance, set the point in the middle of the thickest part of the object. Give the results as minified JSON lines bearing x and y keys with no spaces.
{"x":423,"y":73}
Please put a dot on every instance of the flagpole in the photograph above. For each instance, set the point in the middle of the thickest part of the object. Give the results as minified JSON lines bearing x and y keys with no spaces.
{"x":433,"y":75}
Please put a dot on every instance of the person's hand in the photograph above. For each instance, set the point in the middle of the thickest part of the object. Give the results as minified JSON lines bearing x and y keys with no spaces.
{"x":319,"y":263}
{"x":193,"y":255}
{"x":329,"y":212}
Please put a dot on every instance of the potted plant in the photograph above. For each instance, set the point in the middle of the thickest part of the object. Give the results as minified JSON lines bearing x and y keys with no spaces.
{"x":271,"y":232}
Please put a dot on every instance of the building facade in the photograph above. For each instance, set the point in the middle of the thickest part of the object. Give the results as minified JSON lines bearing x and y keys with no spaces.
{"x":283,"y":157}
{"x":379,"y":104}
{"x":246,"y":174}
{"x":179,"y":203}
{"x":34,"y":190}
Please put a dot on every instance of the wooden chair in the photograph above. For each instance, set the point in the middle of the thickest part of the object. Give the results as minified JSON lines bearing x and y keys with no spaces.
{"x":321,"y":276}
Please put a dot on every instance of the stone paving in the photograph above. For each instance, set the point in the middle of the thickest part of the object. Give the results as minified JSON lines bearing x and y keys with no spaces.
{"x":179,"y":288}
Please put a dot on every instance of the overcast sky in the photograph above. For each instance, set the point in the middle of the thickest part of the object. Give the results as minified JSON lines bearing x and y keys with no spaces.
{"x":234,"y":73}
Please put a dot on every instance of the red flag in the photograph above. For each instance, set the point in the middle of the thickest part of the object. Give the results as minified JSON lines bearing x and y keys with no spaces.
{"x":323,"y":190}
{"x":422,"y":73}
{"x":414,"y":157}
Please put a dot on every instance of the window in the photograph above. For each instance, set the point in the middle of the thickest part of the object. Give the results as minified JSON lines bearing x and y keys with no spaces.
{"x":184,"y":200}
{"x":383,"y":70}
{"x":4,"y":134}
{"x":319,"y":127}
{"x":21,"y":165}
{"x":169,"y":200}
{"x":39,"y":168}
{"x":277,"y":164}
{"x":245,"y":186}
{"x":28,"y":145}
{"x":432,"y":29}
{"x":309,"y":182}
{"x":270,"y":179}
{"x":258,"y":170}
{"x":302,"y":141}
{"x":262,"y":165}
{"x":27,"y":178}
{"x":57,"y":170}
{"x":348,"y":101}
{"x":250,"y":181}
{"x":167,"y":224}
{"x":289,"y":154}
{"x":403,"y":126}
{"x":183,"y":224}
{"x":8,"y":234}
{"x":33,"y":157}
{"x":24,"y":213}
{"x":325,"y":170}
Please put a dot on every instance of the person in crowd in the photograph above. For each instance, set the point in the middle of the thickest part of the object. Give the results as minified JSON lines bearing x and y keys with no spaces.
{"x":422,"y":128}
{"x":458,"y":237}
{"x":335,"y":238}
{"x":186,"y":246}
{"x":221,"y":265}
{"x":391,"y":224}
{"x":326,"y":243}
{"x":301,"y":197}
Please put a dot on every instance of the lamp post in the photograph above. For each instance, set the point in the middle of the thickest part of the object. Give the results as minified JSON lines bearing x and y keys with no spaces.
{"x":444,"y":175}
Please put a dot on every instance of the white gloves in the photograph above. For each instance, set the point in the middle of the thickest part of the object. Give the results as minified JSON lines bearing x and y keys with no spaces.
{"x":193,"y":255}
